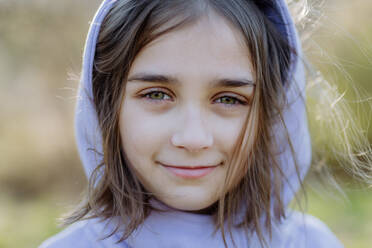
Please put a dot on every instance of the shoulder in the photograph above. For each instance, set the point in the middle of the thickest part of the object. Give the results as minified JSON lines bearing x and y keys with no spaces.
{"x":303,"y":230}
{"x":73,"y":236}
{"x":83,"y":234}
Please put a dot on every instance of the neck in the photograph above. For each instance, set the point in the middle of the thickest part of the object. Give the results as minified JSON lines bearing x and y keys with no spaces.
{"x":206,"y":211}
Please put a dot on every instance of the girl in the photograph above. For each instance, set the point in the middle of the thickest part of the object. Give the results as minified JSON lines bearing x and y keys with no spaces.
{"x":192,"y":129}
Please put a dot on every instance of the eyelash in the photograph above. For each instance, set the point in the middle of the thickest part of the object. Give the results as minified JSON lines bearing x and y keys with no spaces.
{"x":234,"y":99}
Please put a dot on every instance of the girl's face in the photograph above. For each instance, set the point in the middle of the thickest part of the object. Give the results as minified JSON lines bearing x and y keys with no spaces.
{"x":186,"y":100}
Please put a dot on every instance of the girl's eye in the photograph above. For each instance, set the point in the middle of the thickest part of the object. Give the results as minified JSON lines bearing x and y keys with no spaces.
{"x":230,"y":101}
{"x":156,"y":95}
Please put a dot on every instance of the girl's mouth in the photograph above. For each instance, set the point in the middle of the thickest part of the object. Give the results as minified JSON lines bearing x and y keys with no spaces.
{"x":189,"y":172}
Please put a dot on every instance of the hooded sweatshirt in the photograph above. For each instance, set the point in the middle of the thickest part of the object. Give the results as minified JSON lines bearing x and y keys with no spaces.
{"x":175,"y":228}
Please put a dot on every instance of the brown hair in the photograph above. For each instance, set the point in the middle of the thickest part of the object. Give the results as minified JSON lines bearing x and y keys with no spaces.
{"x":255,"y":179}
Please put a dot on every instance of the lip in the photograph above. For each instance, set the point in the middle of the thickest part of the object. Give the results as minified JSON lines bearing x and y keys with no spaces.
{"x":189,"y":172}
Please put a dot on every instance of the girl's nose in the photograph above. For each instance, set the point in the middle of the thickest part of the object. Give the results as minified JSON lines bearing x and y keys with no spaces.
{"x":192,"y":134}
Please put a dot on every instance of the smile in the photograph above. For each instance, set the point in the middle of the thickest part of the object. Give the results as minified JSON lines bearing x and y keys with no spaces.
{"x":189,"y":172}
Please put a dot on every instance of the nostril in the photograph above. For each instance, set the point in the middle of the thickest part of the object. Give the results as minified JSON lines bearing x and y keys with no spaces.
{"x":192,"y":133}
{"x":192,"y":142}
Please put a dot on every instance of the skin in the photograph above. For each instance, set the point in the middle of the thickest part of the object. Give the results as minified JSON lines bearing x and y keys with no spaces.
{"x":180,"y":117}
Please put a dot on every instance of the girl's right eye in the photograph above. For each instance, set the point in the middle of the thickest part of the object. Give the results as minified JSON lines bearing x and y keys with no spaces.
{"x":156,"y":96}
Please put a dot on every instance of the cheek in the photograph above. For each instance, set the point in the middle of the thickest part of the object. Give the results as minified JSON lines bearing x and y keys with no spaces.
{"x":226,"y":131}
{"x":141,"y":133}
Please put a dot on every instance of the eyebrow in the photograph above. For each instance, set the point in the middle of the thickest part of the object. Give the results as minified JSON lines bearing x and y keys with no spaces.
{"x":163,"y":79}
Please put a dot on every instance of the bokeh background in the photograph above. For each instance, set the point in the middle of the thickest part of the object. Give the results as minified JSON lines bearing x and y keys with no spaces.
{"x":41,"y":44}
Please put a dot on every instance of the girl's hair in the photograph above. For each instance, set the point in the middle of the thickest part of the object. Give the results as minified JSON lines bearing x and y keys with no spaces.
{"x":338,"y":137}
{"x":254,"y":177}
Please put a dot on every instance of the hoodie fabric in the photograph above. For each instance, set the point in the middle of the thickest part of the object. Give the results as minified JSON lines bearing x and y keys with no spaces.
{"x":181,"y":229}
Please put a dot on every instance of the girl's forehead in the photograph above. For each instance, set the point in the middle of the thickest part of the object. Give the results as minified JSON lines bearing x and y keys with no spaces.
{"x":209,"y":45}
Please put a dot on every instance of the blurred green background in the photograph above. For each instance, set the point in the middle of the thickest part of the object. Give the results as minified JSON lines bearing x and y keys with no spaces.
{"x":41,"y":177}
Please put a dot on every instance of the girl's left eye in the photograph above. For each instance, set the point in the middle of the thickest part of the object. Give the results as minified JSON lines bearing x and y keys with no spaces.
{"x":229,"y":100}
